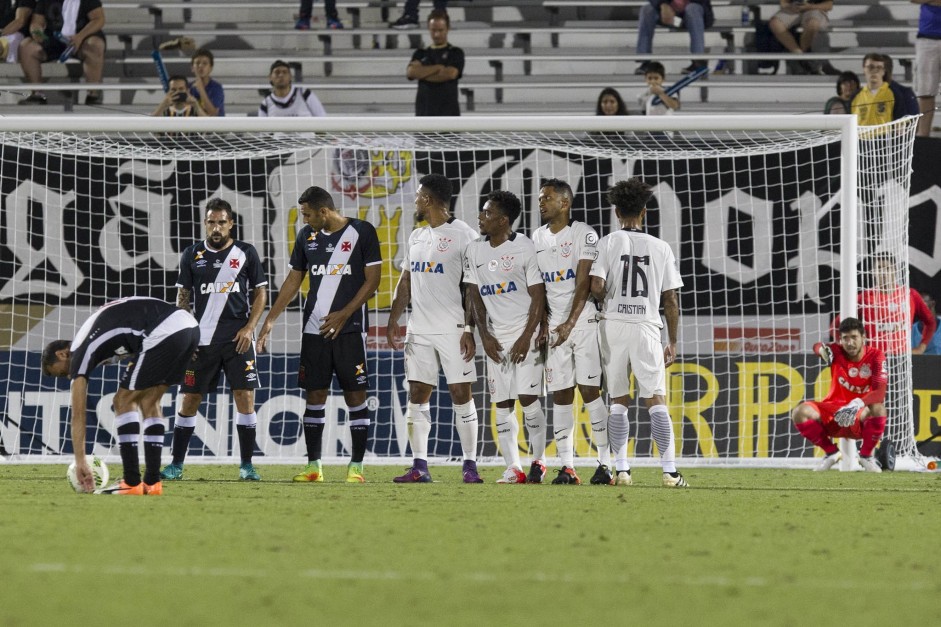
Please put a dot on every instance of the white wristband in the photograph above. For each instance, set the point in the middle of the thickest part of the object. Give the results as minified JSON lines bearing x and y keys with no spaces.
{"x":468,"y":328}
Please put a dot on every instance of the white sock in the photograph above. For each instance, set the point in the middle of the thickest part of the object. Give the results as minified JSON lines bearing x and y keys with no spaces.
{"x":618,"y":428}
{"x":419,"y":427}
{"x":661,"y":427}
{"x":620,"y":458}
{"x":535,"y":420}
{"x":598,"y":415}
{"x":508,"y":430}
{"x":468,"y":426}
{"x":563,"y":427}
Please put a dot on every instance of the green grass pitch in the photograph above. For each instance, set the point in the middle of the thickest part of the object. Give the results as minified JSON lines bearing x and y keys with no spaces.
{"x":741,"y":547}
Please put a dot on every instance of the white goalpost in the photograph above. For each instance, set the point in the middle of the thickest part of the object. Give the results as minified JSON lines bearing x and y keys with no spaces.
{"x":772,"y":220}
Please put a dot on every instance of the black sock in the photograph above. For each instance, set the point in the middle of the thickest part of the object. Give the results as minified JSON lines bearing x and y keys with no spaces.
{"x":153,"y":447}
{"x":181,"y":442}
{"x":359,"y":431}
{"x":129,"y":456}
{"x":246,"y":442}
{"x":313,"y":431}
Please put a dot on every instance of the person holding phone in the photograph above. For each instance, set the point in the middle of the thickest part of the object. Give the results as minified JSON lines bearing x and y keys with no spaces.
{"x":179,"y":102}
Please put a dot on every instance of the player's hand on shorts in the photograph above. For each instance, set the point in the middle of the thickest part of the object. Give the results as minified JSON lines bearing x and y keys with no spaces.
{"x":393,"y":332}
{"x":333,"y":323}
{"x":468,"y":346}
{"x":492,"y":347}
{"x":846,"y":415}
{"x":520,"y":349}
{"x":243,"y":339}
{"x":561,"y":334}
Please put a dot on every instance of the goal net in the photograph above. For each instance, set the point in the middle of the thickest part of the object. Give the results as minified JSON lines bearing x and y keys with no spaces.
{"x":769,"y":217}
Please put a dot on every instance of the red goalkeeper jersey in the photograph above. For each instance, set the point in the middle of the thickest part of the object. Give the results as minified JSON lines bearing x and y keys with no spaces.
{"x":888,"y":315}
{"x":865,"y":379}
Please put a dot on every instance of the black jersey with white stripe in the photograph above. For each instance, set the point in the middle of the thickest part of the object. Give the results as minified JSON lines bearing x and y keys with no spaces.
{"x":117,"y":330}
{"x":336,"y":263}
{"x":220,"y":282}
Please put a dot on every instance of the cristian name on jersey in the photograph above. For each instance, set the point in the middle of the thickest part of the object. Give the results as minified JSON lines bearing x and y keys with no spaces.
{"x":857,"y":379}
{"x":558,"y":255}
{"x":220,"y":282}
{"x":435,"y":259}
{"x":336,"y":264}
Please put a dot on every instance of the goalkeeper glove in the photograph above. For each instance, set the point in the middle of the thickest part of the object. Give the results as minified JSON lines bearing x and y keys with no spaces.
{"x":846,"y":415}
{"x":824,"y":352}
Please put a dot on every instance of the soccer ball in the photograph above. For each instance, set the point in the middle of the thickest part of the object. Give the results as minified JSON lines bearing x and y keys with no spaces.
{"x":99,"y":471}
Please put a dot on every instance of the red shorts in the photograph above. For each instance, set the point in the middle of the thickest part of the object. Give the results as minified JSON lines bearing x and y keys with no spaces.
{"x":826,"y":411}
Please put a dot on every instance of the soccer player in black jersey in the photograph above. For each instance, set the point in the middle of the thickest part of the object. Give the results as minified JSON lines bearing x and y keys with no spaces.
{"x":217,"y":275}
{"x":159,"y":339}
{"x":342,"y":258}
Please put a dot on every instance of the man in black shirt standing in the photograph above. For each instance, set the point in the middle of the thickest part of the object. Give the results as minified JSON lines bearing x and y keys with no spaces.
{"x":437,"y":69}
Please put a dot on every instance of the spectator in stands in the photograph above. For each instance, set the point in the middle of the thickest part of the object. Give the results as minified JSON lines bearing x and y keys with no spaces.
{"x":409,"y":18}
{"x":437,"y":69}
{"x":57,"y":35}
{"x":667,"y":104}
{"x":882,"y":100}
{"x":694,"y":15}
{"x":14,"y":27}
{"x":178,"y":102}
{"x":811,"y":16}
{"x":207,"y":91}
{"x":286,"y":100}
{"x":610,"y":103}
{"x":933,"y":347}
{"x":307,"y":9}
{"x":847,"y":86}
{"x":927,"y":62}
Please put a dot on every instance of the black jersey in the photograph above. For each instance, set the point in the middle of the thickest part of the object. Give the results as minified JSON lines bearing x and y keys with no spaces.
{"x":337,"y":267}
{"x":117,"y":330}
{"x":220,"y":281}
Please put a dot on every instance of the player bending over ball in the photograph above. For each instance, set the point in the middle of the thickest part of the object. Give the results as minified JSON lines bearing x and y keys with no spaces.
{"x":854,"y":407}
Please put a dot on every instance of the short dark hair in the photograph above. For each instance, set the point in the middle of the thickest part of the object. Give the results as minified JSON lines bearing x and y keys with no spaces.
{"x":510,"y":205}
{"x":218,"y":204}
{"x":655,"y":67}
{"x":846,"y":77}
{"x":316,"y":197}
{"x":204,"y":52}
{"x":440,"y":187}
{"x":277,"y":64}
{"x":49,"y":356}
{"x":440,"y":14}
{"x":178,"y":77}
{"x":885,"y":59}
{"x":848,"y":325}
{"x":561,"y":187}
{"x":630,"y":197}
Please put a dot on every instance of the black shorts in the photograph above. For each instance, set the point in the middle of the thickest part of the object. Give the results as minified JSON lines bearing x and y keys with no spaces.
{"x":54,"y":47}
{"x":202,"y":373}
{"x":320,"y":359}
{"x":162,"y":364}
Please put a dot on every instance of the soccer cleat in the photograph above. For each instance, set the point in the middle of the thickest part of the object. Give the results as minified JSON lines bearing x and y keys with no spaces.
{"x":302,"y":23}
{"x":674,"y":480}
{"x":470,"y":472}
{"x":334,"y":23}
{"x":566,"y":476}
{"x":153,"y":490}
{"x":537,"y":472}
{"x":602,"y":476}
{"x":247,"y":472}
{"x":354,"y":473}
{"x":313,"y":472}
{"x":869,"y":464}
{"x":414,"y":475}
{"x":828,"y":462}
{"x":406,"y":22}
{"x":623,"y":478}
{"x":172,"y":472}
{"x":122,"y":489}
{"x":512,"y":475}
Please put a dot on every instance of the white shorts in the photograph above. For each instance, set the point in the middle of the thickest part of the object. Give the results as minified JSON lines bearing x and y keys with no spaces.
{"x":425,"y":355}
{"x":630,"y":347}
{"x":577,"y":360}
{"x":506,"y":380}
{"x":927,"y":67}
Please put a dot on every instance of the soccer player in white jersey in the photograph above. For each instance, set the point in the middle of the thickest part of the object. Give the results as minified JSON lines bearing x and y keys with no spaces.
{"x":633,"y":270}
{"x":508,"y":297}
{"x":565,"y":250}
{"x":439,"y":334}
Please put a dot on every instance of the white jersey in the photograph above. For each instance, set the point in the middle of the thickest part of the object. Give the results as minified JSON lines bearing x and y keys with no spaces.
{"x":637,"y":268}
{"x":503,"y":276}
{"x":558,"y":255}
{"x":299,"y":103}
{"x":435,"y":260}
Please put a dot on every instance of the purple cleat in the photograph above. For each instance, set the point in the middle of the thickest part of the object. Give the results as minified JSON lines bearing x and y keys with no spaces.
{"x":418,"y":473}
{"x":470,"y":472}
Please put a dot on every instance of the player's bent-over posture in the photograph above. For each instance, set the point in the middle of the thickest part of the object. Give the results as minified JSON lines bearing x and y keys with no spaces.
{"x":217,"y":274}
{"x":159,"y":340}
{"x":439,"y":334}
{"x":565,"y":250}
{"x":854,"y":408}
{"x":632,"y":272}
{"x":507,"y":297}
{"x":342,"y":257}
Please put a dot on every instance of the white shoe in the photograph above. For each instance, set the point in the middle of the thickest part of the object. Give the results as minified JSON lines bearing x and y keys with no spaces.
{"x":624,"y":478}
{"x":869,"y":464}
{"x":828,"y":462}
{"x":512,"y":475}
{"x":669,"y":481}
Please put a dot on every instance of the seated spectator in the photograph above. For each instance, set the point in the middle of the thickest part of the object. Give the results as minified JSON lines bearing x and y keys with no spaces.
{"x":693,"y":15}
{"x":654,"y":76}
{"x":179,"y":102}
{"x":307,"y":9}
{"x":811,"y":16}
{"x":14,"y":27}
{"x":847,"y":86}
{"x":207,"y":91}
{"x":409,"y":18}
{"x":285,"y":100}
{"x":59,"y":31}
{"x":882,"y":100}
{"x":933,"y":347}
{"x":610,"y":103}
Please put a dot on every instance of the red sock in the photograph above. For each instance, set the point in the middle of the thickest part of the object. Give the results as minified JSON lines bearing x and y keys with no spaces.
{"x":813,"y":431}
{"x":873,"y":428}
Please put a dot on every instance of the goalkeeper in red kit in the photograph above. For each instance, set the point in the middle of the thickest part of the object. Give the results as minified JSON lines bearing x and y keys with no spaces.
{"x":854,"y":407}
